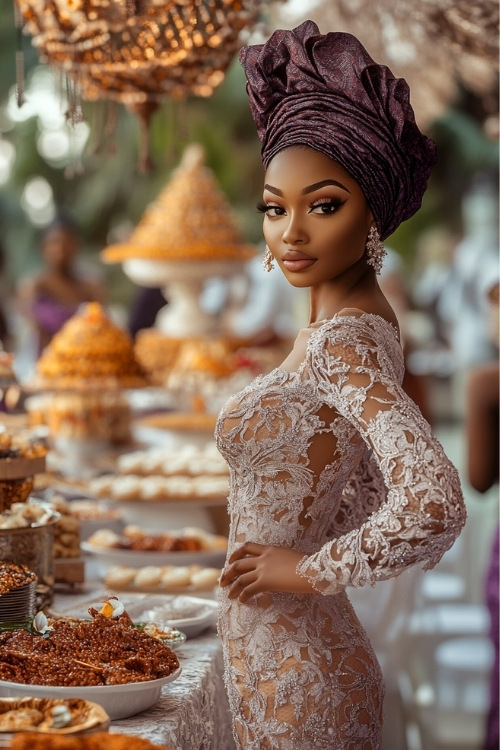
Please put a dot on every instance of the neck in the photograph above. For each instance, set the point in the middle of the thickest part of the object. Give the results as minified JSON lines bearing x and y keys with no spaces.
{"x":354,"y":289}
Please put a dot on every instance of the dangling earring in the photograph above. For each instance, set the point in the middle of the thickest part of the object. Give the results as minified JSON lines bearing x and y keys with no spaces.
{"x":375,"y":250}
{"x":267,"y":260}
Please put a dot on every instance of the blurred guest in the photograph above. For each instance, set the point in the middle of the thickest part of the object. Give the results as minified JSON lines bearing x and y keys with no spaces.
{"x":53,"y":295}
{"x":474,"y":268}
{"x":482,"y":420}
{"x":146,"y":304}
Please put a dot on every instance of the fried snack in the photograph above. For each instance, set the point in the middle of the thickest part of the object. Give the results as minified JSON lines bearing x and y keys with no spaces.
{"x":53,"y":715}
{"x":14,"y":491}
{"x":20,"y":459}
{"x":137,"y":487}
{"x":17,"y":719}
{"x":97,"y":741}
{"x":162,"y":578}
{"x":67,"y":535}
{"x":145,"y":542}
{"x":101,"y":651}
{"x":13,"y":576}
{"x":90,"y":351}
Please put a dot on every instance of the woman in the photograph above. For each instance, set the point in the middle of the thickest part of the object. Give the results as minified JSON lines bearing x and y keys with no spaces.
{"x":336,"y":480}
{"x":53,"y":295}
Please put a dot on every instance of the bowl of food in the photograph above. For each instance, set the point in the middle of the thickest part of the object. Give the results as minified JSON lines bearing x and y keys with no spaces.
{"x":106,"y":659}
{"x":119,"y":701}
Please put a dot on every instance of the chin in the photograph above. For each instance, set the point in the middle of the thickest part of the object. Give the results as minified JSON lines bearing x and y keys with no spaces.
{"x":299,"y":281}
{"x":302,"y":279}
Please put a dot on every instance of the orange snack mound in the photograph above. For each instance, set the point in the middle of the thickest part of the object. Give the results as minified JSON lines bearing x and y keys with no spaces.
{"x":90,"y":350}
{"x":190,"y":220}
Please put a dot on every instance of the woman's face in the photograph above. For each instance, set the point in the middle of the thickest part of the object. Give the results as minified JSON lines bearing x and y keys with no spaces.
{"x":316,"y":217}
{"x":60,"y":245}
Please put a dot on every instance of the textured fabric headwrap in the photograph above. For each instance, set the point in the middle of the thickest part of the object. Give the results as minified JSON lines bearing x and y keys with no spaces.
{"x":326,"y":92}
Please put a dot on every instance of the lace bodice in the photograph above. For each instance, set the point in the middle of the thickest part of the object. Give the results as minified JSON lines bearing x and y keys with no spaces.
{"x":334,"y":460}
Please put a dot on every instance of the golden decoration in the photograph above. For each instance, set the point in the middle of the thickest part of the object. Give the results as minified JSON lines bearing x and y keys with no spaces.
{"x":138,"y":52}
{"x":191,"y":220}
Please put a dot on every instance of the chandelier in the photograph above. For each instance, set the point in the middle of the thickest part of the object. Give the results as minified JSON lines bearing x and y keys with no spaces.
{"x":436,"y":45}
{"x":139,"y":52}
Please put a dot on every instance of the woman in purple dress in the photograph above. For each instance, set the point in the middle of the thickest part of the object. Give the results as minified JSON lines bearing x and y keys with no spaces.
{"x":53,"y":295}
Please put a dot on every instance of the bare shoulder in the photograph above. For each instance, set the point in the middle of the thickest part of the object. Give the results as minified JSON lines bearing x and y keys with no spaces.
{"x":372,"y":305}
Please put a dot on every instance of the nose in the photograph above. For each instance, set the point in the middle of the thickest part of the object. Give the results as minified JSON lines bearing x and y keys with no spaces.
{"x":294,"y":232}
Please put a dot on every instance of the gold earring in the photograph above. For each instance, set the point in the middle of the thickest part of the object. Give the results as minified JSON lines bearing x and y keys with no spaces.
{"x":267,"y":260}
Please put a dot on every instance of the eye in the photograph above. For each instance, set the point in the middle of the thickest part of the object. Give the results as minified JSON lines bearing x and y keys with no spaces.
{"x":325,"y":206}
{"x":270,"y":209}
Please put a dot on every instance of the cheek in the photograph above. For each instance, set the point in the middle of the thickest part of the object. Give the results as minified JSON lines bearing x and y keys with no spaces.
{"x":353,"y":236}
{"x":270,"y":233}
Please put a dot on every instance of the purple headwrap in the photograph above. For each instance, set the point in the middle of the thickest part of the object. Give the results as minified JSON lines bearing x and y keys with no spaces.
{"x":325,"y":92}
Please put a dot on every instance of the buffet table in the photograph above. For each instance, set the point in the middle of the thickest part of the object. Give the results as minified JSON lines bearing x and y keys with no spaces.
{"x":192,"y":713}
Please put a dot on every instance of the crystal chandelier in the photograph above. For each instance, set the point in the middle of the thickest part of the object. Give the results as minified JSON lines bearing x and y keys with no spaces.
{"x":139,"y":52}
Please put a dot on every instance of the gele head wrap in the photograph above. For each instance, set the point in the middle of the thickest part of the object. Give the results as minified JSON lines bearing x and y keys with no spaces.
{"x":326,"y":92}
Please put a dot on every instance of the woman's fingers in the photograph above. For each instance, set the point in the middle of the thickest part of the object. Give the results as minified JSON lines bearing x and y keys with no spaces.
{"x":249,"y":548}
{"x":241,"y":586}
{"x":236,"y":569}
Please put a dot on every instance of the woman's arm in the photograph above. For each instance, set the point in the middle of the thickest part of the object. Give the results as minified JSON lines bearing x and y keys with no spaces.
{"x":422,"y":509}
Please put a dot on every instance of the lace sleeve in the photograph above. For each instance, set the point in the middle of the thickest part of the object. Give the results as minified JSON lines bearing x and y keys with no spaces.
{"x":362,"y":496}
{"x":354,"y":366}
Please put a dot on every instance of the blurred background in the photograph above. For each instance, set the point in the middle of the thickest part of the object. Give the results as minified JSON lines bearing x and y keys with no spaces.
{"x":100,"y":153}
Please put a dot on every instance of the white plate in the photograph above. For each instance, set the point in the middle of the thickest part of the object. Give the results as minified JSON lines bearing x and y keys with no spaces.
{"x":190,"y":614}
{"x":119,"y":701}
{"x":107,"y":557}
{"x":195,"y":613}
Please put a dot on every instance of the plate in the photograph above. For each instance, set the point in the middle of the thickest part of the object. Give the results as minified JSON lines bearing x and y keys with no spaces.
{"x":107,"y":556}
{"x":86,"y":717}
{"x":195,"y":613}
{"x":192,"y":615}
{"x":119,"y":701}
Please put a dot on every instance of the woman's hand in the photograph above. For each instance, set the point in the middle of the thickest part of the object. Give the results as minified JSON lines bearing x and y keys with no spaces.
{"x":258,"y":568}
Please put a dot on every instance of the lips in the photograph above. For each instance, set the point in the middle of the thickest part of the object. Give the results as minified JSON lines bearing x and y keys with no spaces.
{"x":294,"y":260}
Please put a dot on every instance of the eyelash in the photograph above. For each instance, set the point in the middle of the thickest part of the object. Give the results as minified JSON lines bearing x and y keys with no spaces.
{"x":335,"y":203}
{"x":262,"y":207}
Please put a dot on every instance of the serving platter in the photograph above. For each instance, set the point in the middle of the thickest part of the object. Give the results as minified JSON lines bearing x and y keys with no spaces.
{"x":192,"y":615}
{"x":119,"y":701}
{"x":74,"y":717}
{"x":107,"y":557}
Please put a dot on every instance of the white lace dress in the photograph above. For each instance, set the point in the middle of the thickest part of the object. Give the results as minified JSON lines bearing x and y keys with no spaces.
{"x":299,"y":670}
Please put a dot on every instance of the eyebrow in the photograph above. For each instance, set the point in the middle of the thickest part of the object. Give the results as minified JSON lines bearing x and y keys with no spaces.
{"x":309,"y":188}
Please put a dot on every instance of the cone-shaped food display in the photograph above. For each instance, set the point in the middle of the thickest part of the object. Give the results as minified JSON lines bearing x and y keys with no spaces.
{"x":190,"y":220}
{"x":89,"y":352}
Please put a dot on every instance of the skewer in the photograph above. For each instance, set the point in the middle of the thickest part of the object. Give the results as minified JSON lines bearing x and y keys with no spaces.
{"x":90,"y":666}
